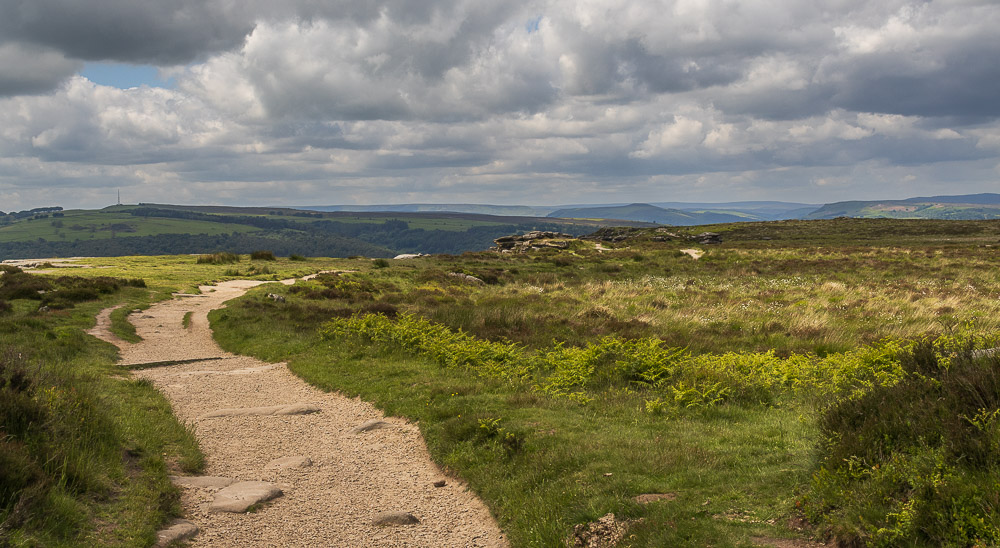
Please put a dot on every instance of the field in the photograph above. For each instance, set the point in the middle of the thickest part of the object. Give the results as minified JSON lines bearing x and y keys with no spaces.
{"x":96,"y":225}
{"x":802,"y":379}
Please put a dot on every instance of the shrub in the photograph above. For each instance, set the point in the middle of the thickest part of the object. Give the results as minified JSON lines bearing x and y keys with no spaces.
{"x":219,"y":258}
{"x":911,"y":463}
{"x":20,"y":285}
{"x":262,"y":256}
{"x":296,"y":257}
{"x":380,"y":263}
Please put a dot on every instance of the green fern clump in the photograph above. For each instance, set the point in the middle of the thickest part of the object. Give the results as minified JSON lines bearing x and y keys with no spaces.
{"x":669,"y":375}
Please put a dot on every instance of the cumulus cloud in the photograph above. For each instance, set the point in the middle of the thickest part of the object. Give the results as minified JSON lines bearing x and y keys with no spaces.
{"x":390,"y":100}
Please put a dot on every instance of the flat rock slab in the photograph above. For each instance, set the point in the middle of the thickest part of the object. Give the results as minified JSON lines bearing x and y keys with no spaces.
{"x":369,"y":425}
{"x":289,"y":462}
{"x":180,"y":529}
{"x":291,"y":409}
{"x":211,"y":482}
{"x":239,"y":496}
{"x":388,"y":519}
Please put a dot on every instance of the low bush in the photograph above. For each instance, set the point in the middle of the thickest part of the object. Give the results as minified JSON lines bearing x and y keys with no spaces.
{"x":21,"y":285}
{"x":219,"y":258}
{"x":916,"y":462}
{"x":262,"y":256}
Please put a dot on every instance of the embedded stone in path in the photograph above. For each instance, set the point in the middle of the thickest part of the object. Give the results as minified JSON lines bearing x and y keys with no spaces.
{"x":369,"y":425}
{"x":239,"y":496}
{"x":289,"y":462}
{"x":291,"y":409}
{"x":179,"y":529}
{"x":298,"y":409}
{"x":211,"y":482}
{"x":386,"y":519}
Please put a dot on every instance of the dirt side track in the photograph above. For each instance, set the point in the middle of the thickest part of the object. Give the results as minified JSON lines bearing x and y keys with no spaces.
{"x":354,"y":477}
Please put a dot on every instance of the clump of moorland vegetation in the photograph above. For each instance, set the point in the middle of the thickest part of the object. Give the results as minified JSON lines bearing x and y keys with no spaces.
{"x":79,"y":443}
{"x":830,"y":379}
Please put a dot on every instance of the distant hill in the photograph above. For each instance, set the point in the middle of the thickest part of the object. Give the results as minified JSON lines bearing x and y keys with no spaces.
{"x":164,"y":229}
{"x":751,"y":211}
{"x":756,"y":210}
{"x":965,"y":207}
{"x":481,"y":209}
{"x":651,"y":214}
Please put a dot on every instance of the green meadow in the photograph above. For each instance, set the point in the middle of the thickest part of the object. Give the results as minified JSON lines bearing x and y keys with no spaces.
{"x":97,"y":225}
{"x":829,"y":380}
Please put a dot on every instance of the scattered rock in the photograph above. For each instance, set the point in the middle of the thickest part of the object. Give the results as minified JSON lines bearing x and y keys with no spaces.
{"x":386,"y":519}
{"x":285,"y":463}
{"x":440,"y":483}
{"x":654,"y":497}
{"x":179,"y":529}
{"x":694,"y":253}
{"x":466,"y":278}
{"x":533,"y":239}
{"x":211,"y":482}
{"x":603,"y":533}
{"x":707,"y":238}
{"x":276,"y":298}
{"x":238,"y":497}
{"x":985,"y":352}
{"x":292,"y":409}
{"x":369,"y":425}
{"x":298,"y":409}
{"x":409,"y":256}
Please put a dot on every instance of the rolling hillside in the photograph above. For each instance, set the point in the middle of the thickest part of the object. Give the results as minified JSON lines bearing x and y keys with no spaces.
{"x":652,"y":214}
{"x":967,"y":207}
{"x":162,"y":229}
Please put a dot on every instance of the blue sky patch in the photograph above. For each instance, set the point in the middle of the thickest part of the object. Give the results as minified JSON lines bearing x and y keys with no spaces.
{"x":532,"y":25}
{"x":124,"y":75}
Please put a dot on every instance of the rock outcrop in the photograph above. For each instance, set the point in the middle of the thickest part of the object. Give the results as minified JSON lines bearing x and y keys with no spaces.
{"x":536,"y":239}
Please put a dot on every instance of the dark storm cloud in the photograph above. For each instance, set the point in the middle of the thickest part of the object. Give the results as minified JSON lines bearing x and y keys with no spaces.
{"x":157,"y":32}
{"x":47,"y":69}
{"x":963,"y":82}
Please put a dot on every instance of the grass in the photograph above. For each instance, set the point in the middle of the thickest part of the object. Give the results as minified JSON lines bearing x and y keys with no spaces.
{"x":569,"y":381}
{"x":563,"y":471}
{"x":86,"y":451}
{"x":96,"y":225}
{"x":771,"y":332}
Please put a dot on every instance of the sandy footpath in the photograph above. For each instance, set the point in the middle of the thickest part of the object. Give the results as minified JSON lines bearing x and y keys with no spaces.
{"x":354,"y":477}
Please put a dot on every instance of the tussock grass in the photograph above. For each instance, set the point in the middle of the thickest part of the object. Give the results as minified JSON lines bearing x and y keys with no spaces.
{"x":669,"y":374}
{"x":223,"y":257}
{"x":81,"y":444}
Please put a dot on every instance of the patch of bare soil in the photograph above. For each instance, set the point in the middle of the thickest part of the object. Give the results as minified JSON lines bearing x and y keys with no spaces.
{"x":337,"y":484}
{"x":603,"y":533}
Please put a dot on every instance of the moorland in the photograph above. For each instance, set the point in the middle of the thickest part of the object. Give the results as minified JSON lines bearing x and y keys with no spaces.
{"x":830,"y":380}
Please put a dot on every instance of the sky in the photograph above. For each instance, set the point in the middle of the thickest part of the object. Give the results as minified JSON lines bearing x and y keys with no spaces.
{"x":534,"y":102}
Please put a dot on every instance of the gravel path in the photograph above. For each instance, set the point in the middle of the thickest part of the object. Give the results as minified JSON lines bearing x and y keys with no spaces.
{"x":354,"y":477}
